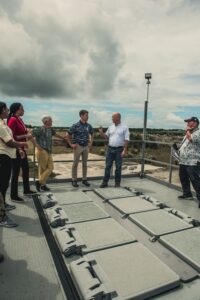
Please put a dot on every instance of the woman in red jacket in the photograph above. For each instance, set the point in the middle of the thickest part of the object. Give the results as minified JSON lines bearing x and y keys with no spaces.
{"x":20,"y":133}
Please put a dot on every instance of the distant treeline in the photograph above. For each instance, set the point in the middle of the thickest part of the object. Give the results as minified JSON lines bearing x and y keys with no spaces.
{"x":132,"y":130}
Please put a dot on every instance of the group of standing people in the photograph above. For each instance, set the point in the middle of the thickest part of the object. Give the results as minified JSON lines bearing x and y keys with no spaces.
{"x":13,"y":156}
{"x":117,"y":137}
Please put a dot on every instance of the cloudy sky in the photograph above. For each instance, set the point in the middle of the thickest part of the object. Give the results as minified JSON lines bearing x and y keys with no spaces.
{"x":59,"y":56}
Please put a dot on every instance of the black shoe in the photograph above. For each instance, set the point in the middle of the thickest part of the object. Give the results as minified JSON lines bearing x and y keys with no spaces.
{"x":45,"y":188}
{"x":185,"y":197}
{"x":30,"y":193}
{"x":9,"y":207}
{"x":117,"y":184}
{"x":103,"y":185}
{"x":1,"y":257}
{"x":74,"y":183}
{"x":85,"y":182}
{"x":199,"y":204}
{"x":17,"y":199}
{"x":37,"y":185}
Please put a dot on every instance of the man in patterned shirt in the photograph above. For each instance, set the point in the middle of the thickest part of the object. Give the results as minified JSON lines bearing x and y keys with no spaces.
{"x":82,"y":133}
{"x":190,"y":159}
{"x":43,"y":138}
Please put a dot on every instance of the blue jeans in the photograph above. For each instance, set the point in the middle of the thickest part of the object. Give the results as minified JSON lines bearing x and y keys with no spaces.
{"x":113,"y":154}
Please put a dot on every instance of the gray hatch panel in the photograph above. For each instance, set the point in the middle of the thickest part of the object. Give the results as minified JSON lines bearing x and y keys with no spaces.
{"x":84,"y":212}
{"x":159,"y":222}
{"x":129,"y":271}
{"x":132,"y":205}
{"x":101,"y":234}
{"x":85,"y":237}
{"x":110,"y":193}
{"x":185,"y":245}
{"x":72,"y":197}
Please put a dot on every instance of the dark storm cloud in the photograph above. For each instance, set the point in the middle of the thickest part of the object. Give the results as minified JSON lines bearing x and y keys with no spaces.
{"x":28,"y":80}
{"x":106,"y":61}
{"x":72,"y":45}
{"x":56,"y":72}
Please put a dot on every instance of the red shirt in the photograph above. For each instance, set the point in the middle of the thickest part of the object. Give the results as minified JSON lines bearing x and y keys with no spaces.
{"x":18,"y":127}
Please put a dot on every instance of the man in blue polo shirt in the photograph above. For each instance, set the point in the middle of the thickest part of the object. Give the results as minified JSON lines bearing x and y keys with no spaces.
{"x":82,"y":133}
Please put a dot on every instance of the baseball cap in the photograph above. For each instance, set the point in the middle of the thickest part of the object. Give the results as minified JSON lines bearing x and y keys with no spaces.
{"x":194,"y":119}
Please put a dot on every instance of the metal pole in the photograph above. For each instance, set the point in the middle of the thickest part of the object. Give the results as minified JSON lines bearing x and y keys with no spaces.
{"x":34,"y":164}
{"x":145,"y":126}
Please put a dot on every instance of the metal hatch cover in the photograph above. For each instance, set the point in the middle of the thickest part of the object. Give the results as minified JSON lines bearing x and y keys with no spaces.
{"x":84,"y":212}
{"x":102,"y":234}
{"x":46,"y":197}
{"x":185,"y":244}
{"x":132,"y":205}
{"x":159,"y":222}
{"x":132,"y":271}
{"x":111,"y":192}
{"x":85,"y":237}
{"x":72,"y":197}
{"x":56,"y":216}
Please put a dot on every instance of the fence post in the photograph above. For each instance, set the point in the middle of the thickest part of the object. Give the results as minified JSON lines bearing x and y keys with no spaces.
{"x":34,"y":163}
{"x":170,"y":165}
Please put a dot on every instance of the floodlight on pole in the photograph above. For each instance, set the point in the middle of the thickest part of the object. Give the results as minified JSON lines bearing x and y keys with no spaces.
{"x":148,"y":76}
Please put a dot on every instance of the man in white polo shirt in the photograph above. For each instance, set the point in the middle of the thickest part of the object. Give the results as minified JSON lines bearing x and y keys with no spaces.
{"x":118,"y":138}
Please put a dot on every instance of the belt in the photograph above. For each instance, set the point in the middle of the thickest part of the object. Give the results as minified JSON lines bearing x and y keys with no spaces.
{"x":120,"y":147}
{"x":82,"y":145}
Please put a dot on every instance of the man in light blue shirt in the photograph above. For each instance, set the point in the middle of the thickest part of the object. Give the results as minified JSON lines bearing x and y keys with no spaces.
{"x":117,"y":136}
{"x":189,"y":151}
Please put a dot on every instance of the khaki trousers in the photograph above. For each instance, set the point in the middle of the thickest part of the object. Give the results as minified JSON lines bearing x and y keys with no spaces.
{"x":45,"y":165}
{"x":80,"y":151}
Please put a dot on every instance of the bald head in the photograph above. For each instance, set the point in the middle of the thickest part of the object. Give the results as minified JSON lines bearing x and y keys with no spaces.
{"x":116,"y":118}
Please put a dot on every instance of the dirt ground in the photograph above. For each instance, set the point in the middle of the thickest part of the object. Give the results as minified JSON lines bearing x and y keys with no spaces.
{"x":96,"y":168}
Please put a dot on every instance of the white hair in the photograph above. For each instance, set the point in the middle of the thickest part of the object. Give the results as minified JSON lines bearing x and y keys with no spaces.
{"x":46,"y":118}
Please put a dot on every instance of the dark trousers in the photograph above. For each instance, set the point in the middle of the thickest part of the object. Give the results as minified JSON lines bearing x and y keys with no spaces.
{"x":113,"y":155}
{"x":18,"y":163}
{"x":189,"y":174}
{"x":5,"y":172}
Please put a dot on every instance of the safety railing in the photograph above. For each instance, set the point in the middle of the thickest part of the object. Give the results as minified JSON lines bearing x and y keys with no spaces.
{"x":171,"y":164}
{"x":139,"y":157}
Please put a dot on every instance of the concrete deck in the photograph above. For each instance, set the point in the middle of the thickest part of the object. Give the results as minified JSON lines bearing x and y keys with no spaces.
{"x":28,"y":271}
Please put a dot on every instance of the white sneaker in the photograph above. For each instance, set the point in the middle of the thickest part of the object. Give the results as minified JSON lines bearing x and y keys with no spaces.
{"x":7,"y":222}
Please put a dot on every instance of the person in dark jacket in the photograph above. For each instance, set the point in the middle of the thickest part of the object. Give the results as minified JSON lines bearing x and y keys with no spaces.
{"x":20,"y":133}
